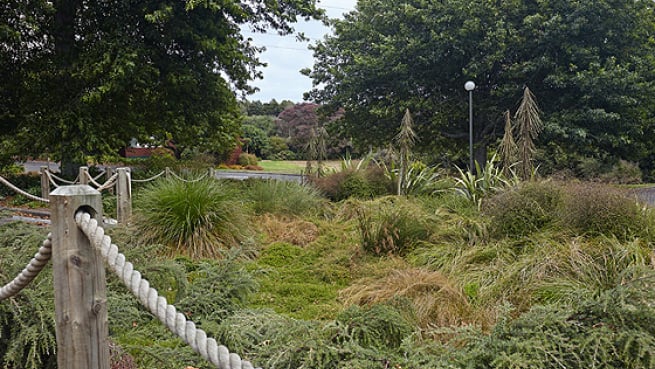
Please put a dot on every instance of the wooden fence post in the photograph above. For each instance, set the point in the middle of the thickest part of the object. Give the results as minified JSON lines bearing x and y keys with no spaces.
{"x":83,"y":175}
{"x":79,"y":281}
{"x":167,"y":173}
{"x":45,"y":182}
{"x":109,"y":172}
{"x":123,"y":195}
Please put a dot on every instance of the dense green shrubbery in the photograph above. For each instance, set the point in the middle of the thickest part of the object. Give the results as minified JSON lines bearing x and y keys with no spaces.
{"x":198,"y":218}
{"x":614,"y":329}
{"x":246,"y":159}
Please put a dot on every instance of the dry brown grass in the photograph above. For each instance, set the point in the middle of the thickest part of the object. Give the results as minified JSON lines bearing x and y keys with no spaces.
{"x":437,"y":301}
{"x":295,"y":231}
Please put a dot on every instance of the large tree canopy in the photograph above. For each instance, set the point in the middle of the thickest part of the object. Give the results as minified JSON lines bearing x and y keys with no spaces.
{"x":82,"y":77}
{"x":590,"y":64}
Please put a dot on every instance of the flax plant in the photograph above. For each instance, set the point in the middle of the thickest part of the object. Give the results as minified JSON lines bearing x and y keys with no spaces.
{"x":405,"y":140}
{"x":529,"y":126}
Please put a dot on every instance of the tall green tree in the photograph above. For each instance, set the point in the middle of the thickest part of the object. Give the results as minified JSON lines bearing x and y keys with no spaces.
{"x":102,"y":72}
{"x":591,"y":63}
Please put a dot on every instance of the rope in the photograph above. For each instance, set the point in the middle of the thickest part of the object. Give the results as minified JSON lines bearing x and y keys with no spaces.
{"x":26,"y":276}
{"x":176,"y":322}
{"x":99,"y":175}
{"x":189,"y":181}
{"x":18,"y":190}
{"x":110,"y":182}
{"x":91,"y":180}
{"x":65,"y":181}
{"x":149,"y":179}
{"x":50,"y":179}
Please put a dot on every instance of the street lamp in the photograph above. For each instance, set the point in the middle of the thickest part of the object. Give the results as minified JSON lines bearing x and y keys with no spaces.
{"x":470,"y":86}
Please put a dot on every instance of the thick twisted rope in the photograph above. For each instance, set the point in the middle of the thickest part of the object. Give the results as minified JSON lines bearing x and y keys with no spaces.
{"x":149,"y":179}
{"x":64,"y":180}
{"x":176,"y":322}
{"x":189,"y":181}
{"x":18,"y":190}
{"x":99,"y":175}
{"x":50,"y":179}
{"x":26,"y":276}
{"x":109,"y":183}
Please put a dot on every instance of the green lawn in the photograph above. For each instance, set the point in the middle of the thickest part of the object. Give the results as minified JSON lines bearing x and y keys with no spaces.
{"x":282,"y":166}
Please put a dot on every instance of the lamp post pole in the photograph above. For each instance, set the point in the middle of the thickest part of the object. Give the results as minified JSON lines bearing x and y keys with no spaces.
{"x":470,"y":86}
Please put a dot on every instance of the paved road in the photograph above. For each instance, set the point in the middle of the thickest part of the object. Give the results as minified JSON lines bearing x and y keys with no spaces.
{"x":35,"y":166}
{"x":223,"y":174}
{"x":646,"y":195}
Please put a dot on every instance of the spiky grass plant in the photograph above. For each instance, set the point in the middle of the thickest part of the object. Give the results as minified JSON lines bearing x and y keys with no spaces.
{"x":392,"y":225}
{"x":199,"y":219}
{"x":283,"y":198}
{"x":405,"y":140}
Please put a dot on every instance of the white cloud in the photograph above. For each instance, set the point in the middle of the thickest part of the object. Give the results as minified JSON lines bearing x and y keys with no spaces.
{"x":286,"y":56}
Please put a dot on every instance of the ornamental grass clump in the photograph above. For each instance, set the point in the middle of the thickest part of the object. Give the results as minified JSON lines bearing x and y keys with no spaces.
{"x":520,"y":211}
{"x":392,"y":225}
{"x":198,"y":219}
{"x":594,"y":210}
{"x":283,"y":198}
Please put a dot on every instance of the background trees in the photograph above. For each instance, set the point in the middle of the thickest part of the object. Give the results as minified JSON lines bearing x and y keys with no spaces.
{"x":589,"y":64}
{"x":87,"y":76}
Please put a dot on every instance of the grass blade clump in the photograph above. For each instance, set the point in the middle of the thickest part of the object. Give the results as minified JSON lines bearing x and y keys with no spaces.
{"x":594,"y":210}
{"x":284,"y":198}
{"x":392,"y":225}
{"x":523,"y":210}
{"x":435,"y":299}
{"x":198,"y":219}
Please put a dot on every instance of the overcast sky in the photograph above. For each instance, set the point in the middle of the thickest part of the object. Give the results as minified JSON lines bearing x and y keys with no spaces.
{"x":286,"y":56}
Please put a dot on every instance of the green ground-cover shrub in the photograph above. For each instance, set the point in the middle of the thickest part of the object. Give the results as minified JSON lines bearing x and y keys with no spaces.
{"x":612,"y":329}
{"x":197,"y":218}
{"x":27,"y":320}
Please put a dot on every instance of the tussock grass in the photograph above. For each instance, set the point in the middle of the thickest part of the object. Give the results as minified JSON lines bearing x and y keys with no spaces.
{"x":284,"y":198}
{"x":284,"y":229}
{"x":197,"y":219}
{"x":592,"y":210}
{"x":435,"y":299}
{"x":392,"y":225}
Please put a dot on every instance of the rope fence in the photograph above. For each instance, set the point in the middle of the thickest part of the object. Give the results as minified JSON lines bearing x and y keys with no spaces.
{"x":176,"y":322}
{"x":149,"y":179}
{"x":70,"y":251}
{"x":189,"y":180}
{"x":21,"y":192}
